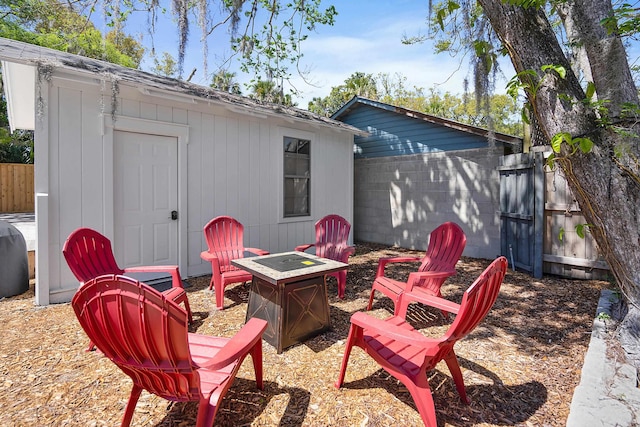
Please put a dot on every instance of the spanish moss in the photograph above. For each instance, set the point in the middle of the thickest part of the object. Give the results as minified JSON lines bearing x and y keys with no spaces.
{"x":203,"y":21}
{"x":180,"y":9}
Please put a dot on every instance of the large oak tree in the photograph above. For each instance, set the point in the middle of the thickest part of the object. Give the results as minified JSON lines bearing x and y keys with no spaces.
{"x":573,"y":114}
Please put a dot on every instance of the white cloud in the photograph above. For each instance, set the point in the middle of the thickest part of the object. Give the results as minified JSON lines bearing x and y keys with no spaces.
{"x":369,"y":40}
{"x":363,"y":39}
{"x":330,"y":60}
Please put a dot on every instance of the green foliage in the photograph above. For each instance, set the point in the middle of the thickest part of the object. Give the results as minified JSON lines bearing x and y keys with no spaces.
{"x":266,"y":36}
{"x":502,"y":115}
{"x":521,"y":81}
{"x":268,"y":91}
{"x":581,"y":231}
{"x":59,"y":26}
{"x":625,"y":21}
{"x":585,"y":145}
{"x":165,"y":66}
{"x":447,"y":9}
{"x":527,"y":3}
{"x":461,"y":29}
{"x":485,"y":53}
{"x":270,"y":42}
{"x":226,"y":81}
{"x":562,"y":72}
{"x":591,"y":90}
{"x":358,"y":83}
{"x":529,"y":81}
{"x":126,"y":45}
{"x":16,"y":147}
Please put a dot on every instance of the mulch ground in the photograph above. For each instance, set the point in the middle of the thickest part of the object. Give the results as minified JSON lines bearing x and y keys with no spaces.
{"x":520,"y":365}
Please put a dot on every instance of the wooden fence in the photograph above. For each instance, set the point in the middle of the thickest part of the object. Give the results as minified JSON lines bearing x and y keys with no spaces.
{"x":565,"y":253}
{"x":538,"y":217}
{"x":16,"y":188}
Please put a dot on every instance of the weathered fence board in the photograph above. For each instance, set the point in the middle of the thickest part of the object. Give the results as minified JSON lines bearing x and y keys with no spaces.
{"x":565,"y":252}
{"x":16,"y":188}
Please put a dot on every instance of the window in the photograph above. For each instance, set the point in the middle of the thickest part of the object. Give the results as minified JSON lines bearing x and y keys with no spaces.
{"x":297,"y":175}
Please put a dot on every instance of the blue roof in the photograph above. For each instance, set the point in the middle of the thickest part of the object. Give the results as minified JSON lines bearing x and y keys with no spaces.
{"x":395,"y":131}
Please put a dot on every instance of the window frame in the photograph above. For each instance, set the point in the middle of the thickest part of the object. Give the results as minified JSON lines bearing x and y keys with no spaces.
{"x":297,"y":134}
{"x":299,"y":159}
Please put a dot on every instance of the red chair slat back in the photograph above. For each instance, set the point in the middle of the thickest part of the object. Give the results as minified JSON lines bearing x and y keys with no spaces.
{"x":89,"y":254}
{"x":224,"y":236}
{"x":332,"y":234}
{"x":141,"y":331}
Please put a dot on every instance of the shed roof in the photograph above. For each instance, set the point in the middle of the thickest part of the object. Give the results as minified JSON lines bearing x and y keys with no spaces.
{"x":38,"y":56}
{"x":357,"y":101}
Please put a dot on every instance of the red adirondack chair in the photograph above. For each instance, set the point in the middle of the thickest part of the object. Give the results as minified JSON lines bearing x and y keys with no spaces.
{"x":408,"y":355}
{"x":332,"y":234}
{"x":89,"y":254}
{"x":145,"y":334}
{"x":446,"y":244}
{"x":224,"y":236}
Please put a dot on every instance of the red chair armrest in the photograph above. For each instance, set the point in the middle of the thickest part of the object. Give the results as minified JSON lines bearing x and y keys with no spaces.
{"x":302,"y":248}
{"x":208,"y":256}
{"x":389,"y":330}
{"x":418,"y":276}
{"x":430,"y":300}
{"x":239,"y":345}
{"x":344,"y":255}
{"x":257,"y":251}
{"x":176,"y":280}
{"x":212,"y":258}
{"x":173,"y":294}
{"x":153,"y":269}
{"x":382,"y":262}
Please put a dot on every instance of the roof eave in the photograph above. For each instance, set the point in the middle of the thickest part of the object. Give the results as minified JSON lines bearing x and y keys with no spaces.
{"x":179,"y":90}
{"x":497,"y":136}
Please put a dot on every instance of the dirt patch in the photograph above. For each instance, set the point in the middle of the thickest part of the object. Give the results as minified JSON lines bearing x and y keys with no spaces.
{"x":520,"y":366}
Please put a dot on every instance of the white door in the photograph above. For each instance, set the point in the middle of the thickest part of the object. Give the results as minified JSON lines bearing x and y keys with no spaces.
{"x":145,"y":196}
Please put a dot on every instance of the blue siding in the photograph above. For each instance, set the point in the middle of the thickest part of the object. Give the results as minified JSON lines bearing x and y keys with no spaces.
{"x":393,"y":134}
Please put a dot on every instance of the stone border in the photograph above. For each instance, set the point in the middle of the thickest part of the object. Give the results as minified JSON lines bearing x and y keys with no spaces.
{"x":608,"y":394}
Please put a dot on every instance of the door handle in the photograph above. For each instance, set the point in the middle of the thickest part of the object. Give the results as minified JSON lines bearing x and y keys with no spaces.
{"x":174,"y":215}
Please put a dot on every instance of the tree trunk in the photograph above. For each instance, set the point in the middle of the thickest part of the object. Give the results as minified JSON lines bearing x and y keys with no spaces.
{"x":605,"y":54}
{"x":606,"y":181}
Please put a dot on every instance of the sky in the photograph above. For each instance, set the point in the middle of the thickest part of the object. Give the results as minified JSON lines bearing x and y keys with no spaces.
{"x":366,"y":37}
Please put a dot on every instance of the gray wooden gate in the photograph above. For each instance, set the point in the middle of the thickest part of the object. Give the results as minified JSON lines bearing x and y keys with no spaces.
{"x":522,"y":211}
{"x":538,"y":219}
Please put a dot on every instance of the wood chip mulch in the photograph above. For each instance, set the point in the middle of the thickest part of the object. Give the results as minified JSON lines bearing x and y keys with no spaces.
{"x":520,"y":366}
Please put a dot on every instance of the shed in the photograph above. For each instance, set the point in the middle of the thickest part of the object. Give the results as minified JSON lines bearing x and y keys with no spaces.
{"x":148,"y":160}
{"x":414,"y":171}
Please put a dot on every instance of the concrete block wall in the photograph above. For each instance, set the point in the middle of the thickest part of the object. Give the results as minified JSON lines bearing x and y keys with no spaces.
{"x":399,"y":200}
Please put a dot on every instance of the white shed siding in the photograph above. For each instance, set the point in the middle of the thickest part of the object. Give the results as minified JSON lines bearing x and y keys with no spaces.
{"x":233,"y":167}
{"x":75,"y":173}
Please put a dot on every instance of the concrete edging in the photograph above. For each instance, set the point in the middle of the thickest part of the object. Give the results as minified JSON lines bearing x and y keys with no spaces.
{"x":608,"y":394}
